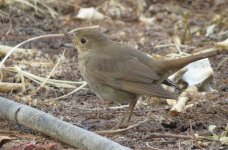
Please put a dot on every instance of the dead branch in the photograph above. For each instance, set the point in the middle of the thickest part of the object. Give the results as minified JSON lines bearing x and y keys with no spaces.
{"x":8,"y":87}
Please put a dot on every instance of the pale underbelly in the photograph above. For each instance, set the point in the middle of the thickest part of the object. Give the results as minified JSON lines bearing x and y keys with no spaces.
{"x":108,"y":93}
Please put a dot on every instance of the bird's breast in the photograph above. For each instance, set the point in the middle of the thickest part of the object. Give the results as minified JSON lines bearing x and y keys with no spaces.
{"x":82,"y":68}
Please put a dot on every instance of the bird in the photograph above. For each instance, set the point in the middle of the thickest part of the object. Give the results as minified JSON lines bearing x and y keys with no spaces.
{"x":118,"y":72}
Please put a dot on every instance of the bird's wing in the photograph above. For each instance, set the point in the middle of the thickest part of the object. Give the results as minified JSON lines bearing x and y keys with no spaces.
{"x":126,"y":73}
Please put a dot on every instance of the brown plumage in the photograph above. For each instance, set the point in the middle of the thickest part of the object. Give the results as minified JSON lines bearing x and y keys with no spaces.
{"x":118,"y":72}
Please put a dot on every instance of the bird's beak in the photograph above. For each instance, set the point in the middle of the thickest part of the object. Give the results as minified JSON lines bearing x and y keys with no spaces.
{"x":69,"y":35}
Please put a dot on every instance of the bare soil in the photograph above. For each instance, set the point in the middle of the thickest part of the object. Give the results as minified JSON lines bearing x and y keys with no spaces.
{"x":84,"y":109}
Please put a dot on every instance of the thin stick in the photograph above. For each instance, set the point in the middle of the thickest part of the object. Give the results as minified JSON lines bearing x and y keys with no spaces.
{"x":170,"y":45}
{"x":54,"y":68}
{"x":4,"y":13}
{"x":29,"y":75}
{"x":77,"y":89}
{"x":193,"y":135}
{"x":37,"y":79}
{"x":178,"y":48}
{"x":153,"y":148}
{"x":29,"y":40}
{"x":30,"y":4}
{"x":148,"y":118}
{"x":53,"y":13}
{"x":159,"y":135}
{"x":118,"y":107}
{"x":50,"y":74}
{"x":122,"y":130}
{"x":220,"y":63}
{"x":22,"y":78}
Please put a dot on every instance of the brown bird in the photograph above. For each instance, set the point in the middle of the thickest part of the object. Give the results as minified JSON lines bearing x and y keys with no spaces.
{"x":118,"y":72}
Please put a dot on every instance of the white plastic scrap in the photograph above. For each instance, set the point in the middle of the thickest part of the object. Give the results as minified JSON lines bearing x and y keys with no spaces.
{"x":89,"y":14}
{"x":198,"y":72}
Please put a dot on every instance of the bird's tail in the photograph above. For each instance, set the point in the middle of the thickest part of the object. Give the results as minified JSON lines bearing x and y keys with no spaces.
{"x":176,"y":64}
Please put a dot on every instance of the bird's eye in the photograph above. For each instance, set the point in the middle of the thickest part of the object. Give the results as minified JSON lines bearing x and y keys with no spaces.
{"x":83,"y":40}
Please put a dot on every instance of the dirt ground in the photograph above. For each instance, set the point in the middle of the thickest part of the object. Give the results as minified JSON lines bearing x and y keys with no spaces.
{"x":83,"y":108}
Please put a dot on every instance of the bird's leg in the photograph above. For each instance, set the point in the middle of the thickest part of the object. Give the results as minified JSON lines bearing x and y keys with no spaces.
{"x":127,"y":115}
{"x":130,"y":110}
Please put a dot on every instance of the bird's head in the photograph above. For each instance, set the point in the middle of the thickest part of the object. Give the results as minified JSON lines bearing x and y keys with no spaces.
{"x":87,"y":39}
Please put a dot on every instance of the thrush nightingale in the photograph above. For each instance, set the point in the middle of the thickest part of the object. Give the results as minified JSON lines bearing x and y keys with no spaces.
{"x":117,"y":72}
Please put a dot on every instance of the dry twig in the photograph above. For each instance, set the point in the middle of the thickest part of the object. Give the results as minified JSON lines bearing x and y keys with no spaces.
{"x":51,"y":73}
{"x":29,"y":40}
{"x":122,"y":130}
{"x":8,"y":87}
{"x":74,"y":91}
